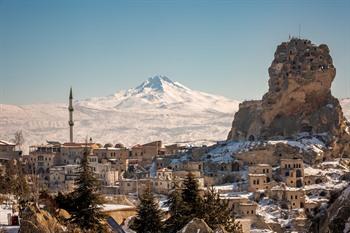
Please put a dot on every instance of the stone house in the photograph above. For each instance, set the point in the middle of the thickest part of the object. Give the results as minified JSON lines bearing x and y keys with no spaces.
{"x":162,"y":162}
{"x":164,"y":181}
{"x":258,"y":182}
{"x":146,"y":152}
{"x":292,"y":172}
{"x":41,"y":158}
{"x":62,"y":178}
{"x":174,"y":149}
{"x":72,"y":153}
{"x":314,"y":179}
{"x":261,"y":169}
{"x":134,"y":186}
{"x":106,"y":153}
{"x":295,"y":198}
{"x":261,"y":156}
{"x":104,"y":171}
{"x":248,"y":209}
{"x":277,"y":193}
{"x":8,"y":151}
{"x":234,"y":202}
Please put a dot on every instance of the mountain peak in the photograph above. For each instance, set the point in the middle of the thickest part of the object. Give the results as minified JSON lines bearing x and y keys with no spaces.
{"x":159,"y":78}
{"x":157,"y":83}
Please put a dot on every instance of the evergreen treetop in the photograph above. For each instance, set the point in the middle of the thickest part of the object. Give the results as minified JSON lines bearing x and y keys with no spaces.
{"x":149,"y":216}
{"x":86,"y":199}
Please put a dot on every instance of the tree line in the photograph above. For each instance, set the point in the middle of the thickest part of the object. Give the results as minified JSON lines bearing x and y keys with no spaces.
{"x":184,"y":205}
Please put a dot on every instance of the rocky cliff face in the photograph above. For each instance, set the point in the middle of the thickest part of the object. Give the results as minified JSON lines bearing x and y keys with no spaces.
{"x":299,"y":98}
{"x":334,"y":219}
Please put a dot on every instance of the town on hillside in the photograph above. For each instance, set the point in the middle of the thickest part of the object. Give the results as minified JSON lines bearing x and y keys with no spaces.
{"x":270,"y":180}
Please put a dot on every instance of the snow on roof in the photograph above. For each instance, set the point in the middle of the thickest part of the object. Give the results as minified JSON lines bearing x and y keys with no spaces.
{"x":293,"y":189}
{"x":114,"y":207}
{"x":233,"y":197}
{"x":223,"y":187}
{"x":164,"y":170}
{"x":257,"y":175}
{"x":312,"y":171}
{"x":247,"y":195}
{"x":6,"y":143}
{"x":248,"y":204}
{"x":261,"y":165}
{"x":304,"y":144}
{"x":224,"y":153}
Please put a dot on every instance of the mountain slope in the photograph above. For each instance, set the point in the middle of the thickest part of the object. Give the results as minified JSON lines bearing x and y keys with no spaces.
{"x":158,"y":109}
{"x":161,"y":93}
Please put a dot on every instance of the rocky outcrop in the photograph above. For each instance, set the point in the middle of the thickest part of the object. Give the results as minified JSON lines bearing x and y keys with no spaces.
{"x":35,"y":220}
{"x":196,"y":225}
{"x":299,"y":98}
{"x":336,"y":218}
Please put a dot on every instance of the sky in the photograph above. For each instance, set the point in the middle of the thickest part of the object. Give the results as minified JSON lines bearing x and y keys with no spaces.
{"x":100,"y":47}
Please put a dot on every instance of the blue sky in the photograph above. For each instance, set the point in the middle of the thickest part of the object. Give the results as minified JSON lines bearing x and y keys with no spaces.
{"x":100,"y":47}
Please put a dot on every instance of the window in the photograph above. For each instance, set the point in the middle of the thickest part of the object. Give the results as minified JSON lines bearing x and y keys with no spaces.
{"x":267,"y":170}
{"x":291,"y":197}
{"x":252,"y":211}
{"x":296,"y":197}
{"x":257,"y":182}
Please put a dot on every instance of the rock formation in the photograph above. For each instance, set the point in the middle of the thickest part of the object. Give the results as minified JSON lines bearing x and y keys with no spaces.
{"x":196,"y":225}
{"x":299,"y":99}
{"x":34,"y":220}
{"x":336,"y":218}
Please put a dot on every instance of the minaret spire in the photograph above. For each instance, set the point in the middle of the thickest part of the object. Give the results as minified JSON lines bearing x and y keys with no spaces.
{"x":71,"y":122}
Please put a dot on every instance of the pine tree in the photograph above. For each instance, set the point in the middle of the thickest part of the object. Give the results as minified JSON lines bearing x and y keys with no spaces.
{"x":176,"y":209}
{"x":217,"y":212}
{"x":191,"y":197}
{"x":149,"y":216}
{"x":86,"y":211}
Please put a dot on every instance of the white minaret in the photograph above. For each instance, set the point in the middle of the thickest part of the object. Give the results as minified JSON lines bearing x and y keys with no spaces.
{"x":71,"y":122}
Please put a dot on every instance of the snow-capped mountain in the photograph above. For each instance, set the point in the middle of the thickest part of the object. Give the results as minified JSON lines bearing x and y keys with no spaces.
{"x":158,"y":109}
{"x":159,"y":92}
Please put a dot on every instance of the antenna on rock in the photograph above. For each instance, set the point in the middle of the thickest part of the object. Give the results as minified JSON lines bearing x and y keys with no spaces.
{"x":299,"y":29}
